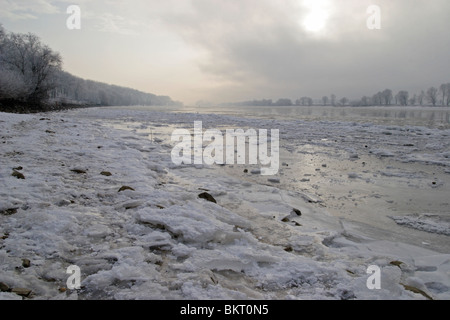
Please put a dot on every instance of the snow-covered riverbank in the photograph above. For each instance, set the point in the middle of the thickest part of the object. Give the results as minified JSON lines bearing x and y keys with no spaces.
{"x":111,"y":201}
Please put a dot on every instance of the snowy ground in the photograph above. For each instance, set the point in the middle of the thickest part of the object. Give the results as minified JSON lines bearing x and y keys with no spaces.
{"x":368,"y":195}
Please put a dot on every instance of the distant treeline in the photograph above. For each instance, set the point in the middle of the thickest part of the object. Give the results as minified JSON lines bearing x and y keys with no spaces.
{"x":431,"y":97}
{"x":69,"y":89}
{"x":32,"y":79}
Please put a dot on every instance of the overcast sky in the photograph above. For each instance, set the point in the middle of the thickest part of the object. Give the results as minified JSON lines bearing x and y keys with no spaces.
{"x":234,"y":50}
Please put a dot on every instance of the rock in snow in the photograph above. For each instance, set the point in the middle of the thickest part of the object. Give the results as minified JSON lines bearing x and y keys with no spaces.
{"x":18,"y":174}
{"x":123,"y":188}
{"x":207,"y":196}
{"x":8,"y":212}
{"x":26,"y":263}
{"x":4,"y":287}
{"x":24,"y":292}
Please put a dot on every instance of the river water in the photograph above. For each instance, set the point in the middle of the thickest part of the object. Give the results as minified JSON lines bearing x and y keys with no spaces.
{"x":435,"y":117}
{"x":365,"y":166}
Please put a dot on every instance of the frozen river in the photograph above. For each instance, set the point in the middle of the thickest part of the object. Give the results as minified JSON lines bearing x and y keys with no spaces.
{"x":371,"y":166}
{"x":101,"y":192}
{"x":435,"y":117}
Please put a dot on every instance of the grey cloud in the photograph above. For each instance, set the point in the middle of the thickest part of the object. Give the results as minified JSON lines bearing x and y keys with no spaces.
{"x":26,"y":9}
{"x":258,"y":39}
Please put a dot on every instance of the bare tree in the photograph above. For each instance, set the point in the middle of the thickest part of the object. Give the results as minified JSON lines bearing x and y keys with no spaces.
{"x":421,"y":97}
{"x":333,"y":100}
{"x":2,"y":33}
{"x":283,"y":102}
{"x":306,"y":101}
{"x":387,"y":96}
{"x":432,"y":95}
{"x":448,"y":94}
{"x":343,"y":101}
{"x":378,"y":98}
{"x":365,"y":101}
{"x":2,"y":40}
{"x":402,"y":97}
{"x":325,"y":100}
{"x":445,"y":91}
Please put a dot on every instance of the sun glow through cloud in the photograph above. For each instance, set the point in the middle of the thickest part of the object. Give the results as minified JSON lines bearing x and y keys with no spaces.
{"x":318,"y":12}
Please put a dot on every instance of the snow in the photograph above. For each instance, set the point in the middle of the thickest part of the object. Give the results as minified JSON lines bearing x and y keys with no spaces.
{"x":161,"y":241}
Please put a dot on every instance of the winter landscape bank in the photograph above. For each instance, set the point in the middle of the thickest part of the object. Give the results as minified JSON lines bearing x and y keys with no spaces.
{"x":96,"y":188}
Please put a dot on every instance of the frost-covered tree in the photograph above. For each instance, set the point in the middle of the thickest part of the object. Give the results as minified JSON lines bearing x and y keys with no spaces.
{"x":387,"y":96}
{"x":305,"y":101}
{"x":27,"y":67}
{"x":333,"y":100}
{"x":71,"y":90}
{"x":447,"y":102}
{"x":378,"y":99}
{"x":421,"y":97}
{"x":2,"y":33}
{"x":413,"y":100}
{"x":445,"y":91}
{"x":365,"y":101}
{"x":325,"y":100}
{"x":283,"y":102}
{"x":432,"y":95}
{"x":402,"y":97}
{"x":12,"y":85}
{"x":343,"y":101}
